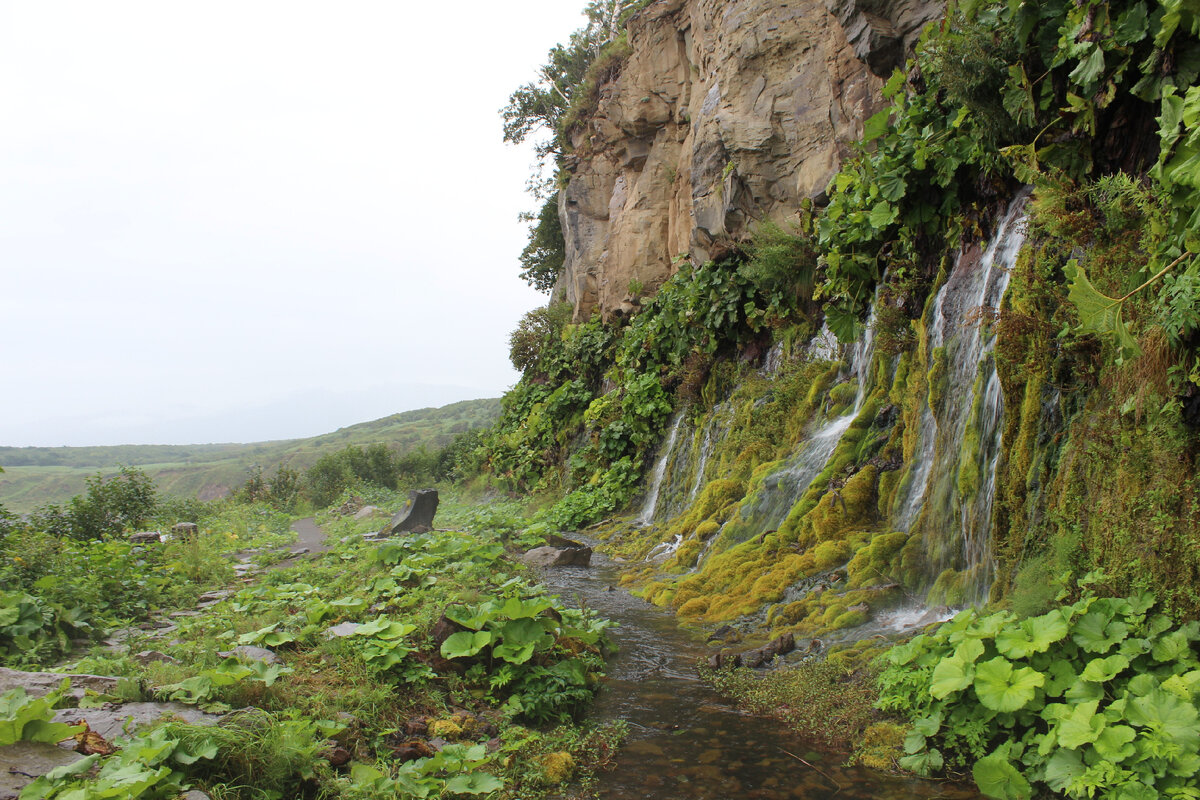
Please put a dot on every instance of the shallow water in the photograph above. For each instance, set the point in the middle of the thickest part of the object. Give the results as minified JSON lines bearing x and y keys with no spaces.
{"x":685,"y":742}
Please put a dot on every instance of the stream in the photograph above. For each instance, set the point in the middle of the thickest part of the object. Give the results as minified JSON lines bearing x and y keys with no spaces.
{"x":685,"y":742}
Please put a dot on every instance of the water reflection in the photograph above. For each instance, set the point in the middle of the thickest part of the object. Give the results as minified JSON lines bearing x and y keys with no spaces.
{"x":685,"y":742}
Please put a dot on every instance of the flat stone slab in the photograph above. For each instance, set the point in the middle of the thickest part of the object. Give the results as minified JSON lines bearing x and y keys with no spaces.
{"x":40,"y":684}
{"x":20,"y":763}
{"x":342,"y":629}
{"x":115,"y":722}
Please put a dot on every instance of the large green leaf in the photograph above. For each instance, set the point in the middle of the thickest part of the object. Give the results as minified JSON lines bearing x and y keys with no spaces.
{"x":1001,"y":687}
{"x":1102,"y":670}
{"x":474,"y":783}
{"x":1098,"y":313}
{"x":1034,"y":635}
{"x":465,"y":643}
{"x":997,"y":777}
{"x":1097,"y":632}
{"x":1080,"y":726}
{"x":951,"y":675}
{"x":1167,"y":715}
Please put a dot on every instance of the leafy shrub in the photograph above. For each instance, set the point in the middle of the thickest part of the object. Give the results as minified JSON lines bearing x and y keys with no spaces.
{"x":1097,"y":697}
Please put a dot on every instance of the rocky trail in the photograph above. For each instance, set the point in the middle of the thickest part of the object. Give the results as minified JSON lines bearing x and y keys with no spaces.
{"x":23,"y":762}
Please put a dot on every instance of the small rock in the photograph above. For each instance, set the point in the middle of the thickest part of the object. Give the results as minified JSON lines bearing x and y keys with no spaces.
{"x":341,"y":630}
{"x":337,"y":756}
{"x":214,"y":596}
{"x":301,"y":551}
{"x":366,"y":511}
{"x":247,"y":652}
{"x":114,"y":722}
{"x":145,"y":537}
{"x":418,"y":514}
{"x":182,"y":614}
{"x":195,"y":794}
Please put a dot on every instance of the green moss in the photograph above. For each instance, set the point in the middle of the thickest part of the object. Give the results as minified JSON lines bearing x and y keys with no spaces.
{"x":828,"y":555}
{"x":949,"y":589}
{"x":850,"y":619}
{"x":557,"y":767}
{"x":936,"y":379}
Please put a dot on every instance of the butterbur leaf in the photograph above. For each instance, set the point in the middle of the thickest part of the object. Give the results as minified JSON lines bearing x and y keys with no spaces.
{"x":1090,"y":68}
{"x":474,"y":783}
{"x":1063,"y":768}
{"x":1080,"y":726}
{"x":1001,"y":687}
{"x":1098,"y":313}
{"x":1115,"y":742}
{"x":465,"y":643}
{"x":1101,"y":670}
{"x":997,"y":777}
{"x":923,"y":763}
{"x":951,"y":675}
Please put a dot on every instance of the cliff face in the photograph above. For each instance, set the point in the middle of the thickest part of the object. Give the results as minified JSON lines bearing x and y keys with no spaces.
{"x":725,"y":112}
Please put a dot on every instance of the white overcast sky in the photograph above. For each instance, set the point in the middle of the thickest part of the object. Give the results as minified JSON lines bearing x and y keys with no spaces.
{"x":258,"y":219}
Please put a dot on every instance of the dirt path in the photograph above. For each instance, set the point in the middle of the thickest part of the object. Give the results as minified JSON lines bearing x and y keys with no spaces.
{"x":310,"y":535}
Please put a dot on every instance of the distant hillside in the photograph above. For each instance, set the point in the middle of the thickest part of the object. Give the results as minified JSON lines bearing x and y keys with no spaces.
{"x":34,"y":476}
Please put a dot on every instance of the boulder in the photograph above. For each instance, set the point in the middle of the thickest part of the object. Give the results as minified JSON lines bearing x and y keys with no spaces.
{"x":417,"y":516}
{"x":145,"y":537}
{"x":152,"y":656}
{"x":185,"y":531}
{"x":780,"y":645}
{"x":549,"y":556}
{"x":366,"y":511}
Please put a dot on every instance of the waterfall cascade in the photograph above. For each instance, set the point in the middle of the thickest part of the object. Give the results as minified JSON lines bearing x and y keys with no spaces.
{"x":946,"y":489}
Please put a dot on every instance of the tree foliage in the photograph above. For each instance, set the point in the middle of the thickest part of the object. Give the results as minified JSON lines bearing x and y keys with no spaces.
{"x":543,"y":257}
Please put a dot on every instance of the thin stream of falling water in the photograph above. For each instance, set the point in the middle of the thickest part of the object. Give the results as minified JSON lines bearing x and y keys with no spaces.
{"x":957,"y":530}
{"x":660,"y":470}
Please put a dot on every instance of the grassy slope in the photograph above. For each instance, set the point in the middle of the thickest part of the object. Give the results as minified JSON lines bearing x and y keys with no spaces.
{"x":37,"y":475}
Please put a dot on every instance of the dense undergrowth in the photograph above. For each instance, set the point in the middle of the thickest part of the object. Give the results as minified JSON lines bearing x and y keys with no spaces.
{"x":458,"y":676}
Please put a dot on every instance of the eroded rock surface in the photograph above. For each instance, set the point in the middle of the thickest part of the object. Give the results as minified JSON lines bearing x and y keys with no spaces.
{"x":726,"y":112}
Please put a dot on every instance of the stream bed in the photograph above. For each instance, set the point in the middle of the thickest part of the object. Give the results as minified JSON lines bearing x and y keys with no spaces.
{"x":685,"y":742}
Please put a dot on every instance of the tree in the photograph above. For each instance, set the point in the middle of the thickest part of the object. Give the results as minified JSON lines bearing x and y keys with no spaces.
{"x":543,"y":257}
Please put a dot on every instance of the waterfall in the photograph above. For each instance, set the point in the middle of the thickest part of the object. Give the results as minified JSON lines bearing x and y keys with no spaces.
{"x":781,"y":489}
{"x":824,"y":346}
{"x":960,"y":429}
{"x":713,"y":430}
{"x":660,"y":471}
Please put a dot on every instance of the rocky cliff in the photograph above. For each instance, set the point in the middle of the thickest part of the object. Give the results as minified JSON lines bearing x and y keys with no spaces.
{"x":725,"y":112}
